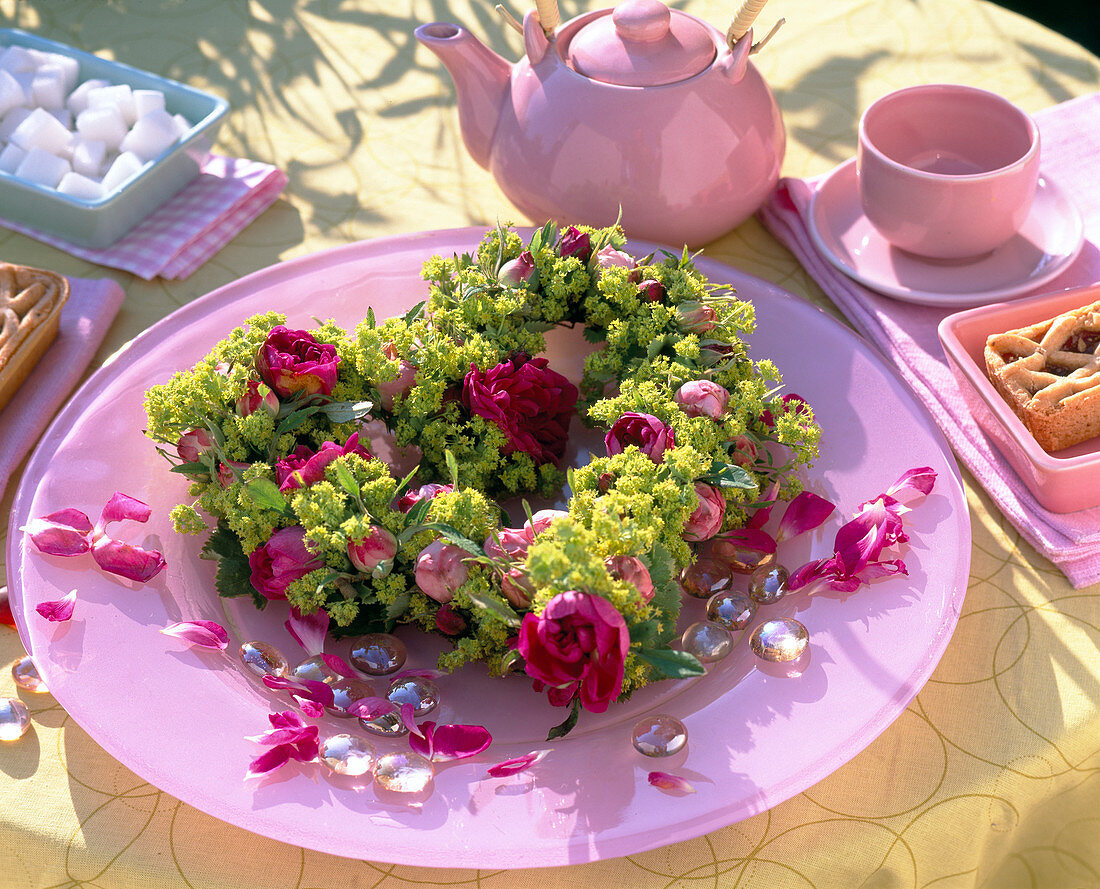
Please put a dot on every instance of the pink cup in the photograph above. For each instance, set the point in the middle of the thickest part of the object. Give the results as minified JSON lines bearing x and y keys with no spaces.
{"x":946,"y":171}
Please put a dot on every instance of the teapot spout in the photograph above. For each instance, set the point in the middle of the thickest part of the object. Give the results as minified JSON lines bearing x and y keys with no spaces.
{"x":481,"y":80}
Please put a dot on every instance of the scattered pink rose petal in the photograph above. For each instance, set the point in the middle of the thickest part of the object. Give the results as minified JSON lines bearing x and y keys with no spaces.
{"x":289,"y":738}
{"x":127,"y":560}
{"x":804,"y":513}
{"x":518,"y":764}
{"x":309,"y":689}
{"x":418,"y":674}
{"x":441,"y":743}
{"x":665,"y":781}
{"x":309,"y":630}
{"x":371,"y":708}
{"x":122,"y":507}
{"x":312,"y":709}
{"x":204,"y":633}
{"x":59,"y":609}
{"x":408,"y":719}
{"x":66,"y":532}
{"x":338,"y":665}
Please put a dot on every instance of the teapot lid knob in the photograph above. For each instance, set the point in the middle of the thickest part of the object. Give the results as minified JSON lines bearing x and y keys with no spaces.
{"x":641,"y":21}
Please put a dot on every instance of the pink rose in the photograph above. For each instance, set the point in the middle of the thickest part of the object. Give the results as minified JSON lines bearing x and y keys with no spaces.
{"x":391,"y":389}
{"x":229,"y":472}
{"x":696,"y":317}
{"x":440,"y":570}
{"x":304,"y":467}
{"x":374,"y":554}
{"x":425,"y":492}
{"x":608,"y":258}
{"x":517,"y":587}
{"x":281,"y":561}
{"x":541,"y":520}
{"x":517,"y":271}
{"x":192,"y":445}
{"x":576,"y":243}
{"x":292,"y":361}
{"x":530,"y":403}
{"x":256,"y":396}
{"x":644,"y":431}
{"x":631,"y":570}
{"x":706,"y":521}
{"x":651,"y":290}
{"x":703,"y":398}
{"x":508,"y":543}
{"x":579,"y":641}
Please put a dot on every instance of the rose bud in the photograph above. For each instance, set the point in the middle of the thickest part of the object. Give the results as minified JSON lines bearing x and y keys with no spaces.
{"x":508,"y":543}
{"x":744,"y":451}
{"x":228,"y":472}
{"x":391,"y":389}
{"x":293,"y":361}
{"x":702,"y":398}
{"x":517,"y":588}
{"x":576,"y":243}
{"x":652,"y":290}
{"x":605,"y":481}
{"x":192,"y":445}
{"x":517,"y":271}
{"x":644,"y":431}
{"x":714,"y":352}
{"x":696,"y":317}
{"x":425,"y":492}
{"x":631,"y":570}
{"x":541,"y":520}
{"x":258,"y":395}
{"x":441,"y":570}
{"x":374,"y":554}
{"x":448,"y":621}
{"x":706,"y":521}
{"x":608,"y":258}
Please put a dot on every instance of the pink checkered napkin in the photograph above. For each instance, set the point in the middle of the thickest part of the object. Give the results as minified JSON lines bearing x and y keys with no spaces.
{"x":194,"y":225}
{"x":85,"y":319}
{"x":907,"y":333}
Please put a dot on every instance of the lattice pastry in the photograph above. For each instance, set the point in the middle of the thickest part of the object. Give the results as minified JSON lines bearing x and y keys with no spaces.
{"x":30,"y":311}
{"x":1050,"y":374}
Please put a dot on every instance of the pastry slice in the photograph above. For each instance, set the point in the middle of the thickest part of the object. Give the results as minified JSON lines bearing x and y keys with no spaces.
{"x":30,"y":311}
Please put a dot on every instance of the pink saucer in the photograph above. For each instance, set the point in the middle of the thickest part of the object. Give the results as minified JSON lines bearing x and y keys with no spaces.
{"x":1049,"y":240}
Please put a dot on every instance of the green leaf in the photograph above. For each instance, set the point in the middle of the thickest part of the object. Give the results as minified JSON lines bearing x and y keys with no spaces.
{"x":412,"y":314}
{"x":560,"y":731}
{"x":643,"y":633}
{"x":496,"y":606}
{"x":370,"y":317}
{"x":729,"y":475}
{"x":674,"y":664}
{"x":346,"y":411}
{"x":196,"y":468}
{"x":346,"y":478}
{"x":232,"y":577}
{"x":655,"y":347}
{"x":452,"y":535}
{"x":265,"y":494}
{"x":397,"y":607}
{"x":295,"y":419}
{"x":452,"y":467}
{"x":595,"y":334}
{"x":510,"y":659}
{"x":417,"y":514}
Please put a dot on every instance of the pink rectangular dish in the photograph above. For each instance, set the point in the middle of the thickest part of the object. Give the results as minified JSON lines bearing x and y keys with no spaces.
{"x":1064,"y":481}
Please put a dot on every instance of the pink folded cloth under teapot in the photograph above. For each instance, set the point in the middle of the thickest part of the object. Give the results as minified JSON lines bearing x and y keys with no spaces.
{"x":907,"y":333}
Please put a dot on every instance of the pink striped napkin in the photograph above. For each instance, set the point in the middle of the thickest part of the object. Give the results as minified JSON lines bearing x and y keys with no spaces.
{"x":907,"y":333}
{"x":194,"y":225}
{"x":85,"y":318}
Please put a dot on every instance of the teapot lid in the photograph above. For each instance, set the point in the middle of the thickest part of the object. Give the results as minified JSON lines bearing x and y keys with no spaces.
{"x":642,"y":43}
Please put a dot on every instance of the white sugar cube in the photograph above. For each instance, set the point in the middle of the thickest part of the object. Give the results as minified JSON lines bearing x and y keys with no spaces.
{"x":48,"y":87}
{"x":42,"y":167}
{"x":151,"y":135}
{"x":17,"y":58}
{"x":78,"y":98}
{"x":80,"y":187}
{"x":11,"y":120}
{"x":68,"y":67}
{"x":89,"y":157}
{"x":124,"y":166}
{"x":183,"y":125}
{"x":11,"y":157}
{"x":42,"y":130}
{"x":146,"y":101}
{"x":64,"y":117}
{"x":118,"y":96}
{"x":11,"y":93}
{"x":104,"y":123}
{"x":25,"y":79}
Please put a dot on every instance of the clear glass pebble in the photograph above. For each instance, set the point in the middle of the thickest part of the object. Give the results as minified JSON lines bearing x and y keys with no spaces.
{"x":347,"y":754}
{"x":741,"y":559}
{"x":15,"y":719}
{"x":706,"y":578}
{"x":404,"y":772}
{"x":707,"y":640}
{"x":768,"y":584}
{"x":379,"y":654}
{"x":781,"y":639}
{"x":25,"y":674}
{"x":659,"y":736}
{"x":388,"y":726}
{"x":423,"y":694}
{"x":264,"y":659}
{"x":346,"y":691}
{"x":314,"y":669}
{"x":734,"y":611}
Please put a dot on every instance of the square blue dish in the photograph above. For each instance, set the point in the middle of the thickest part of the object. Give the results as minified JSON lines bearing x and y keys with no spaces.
{"x":99,"y":223}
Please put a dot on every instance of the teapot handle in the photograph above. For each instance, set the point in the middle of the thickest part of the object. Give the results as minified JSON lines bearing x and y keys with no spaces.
{"x":535,"y":41}
{"x":734,"y":63}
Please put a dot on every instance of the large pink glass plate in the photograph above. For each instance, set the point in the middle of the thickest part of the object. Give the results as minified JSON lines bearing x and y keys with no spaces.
{"x":179,"y":718}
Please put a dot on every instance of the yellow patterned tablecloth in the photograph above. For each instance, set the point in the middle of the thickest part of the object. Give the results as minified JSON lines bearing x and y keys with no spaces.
{"x":990,"y":778}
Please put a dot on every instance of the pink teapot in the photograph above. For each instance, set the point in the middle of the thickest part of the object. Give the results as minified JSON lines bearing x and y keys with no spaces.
{"x":639,"y":107}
